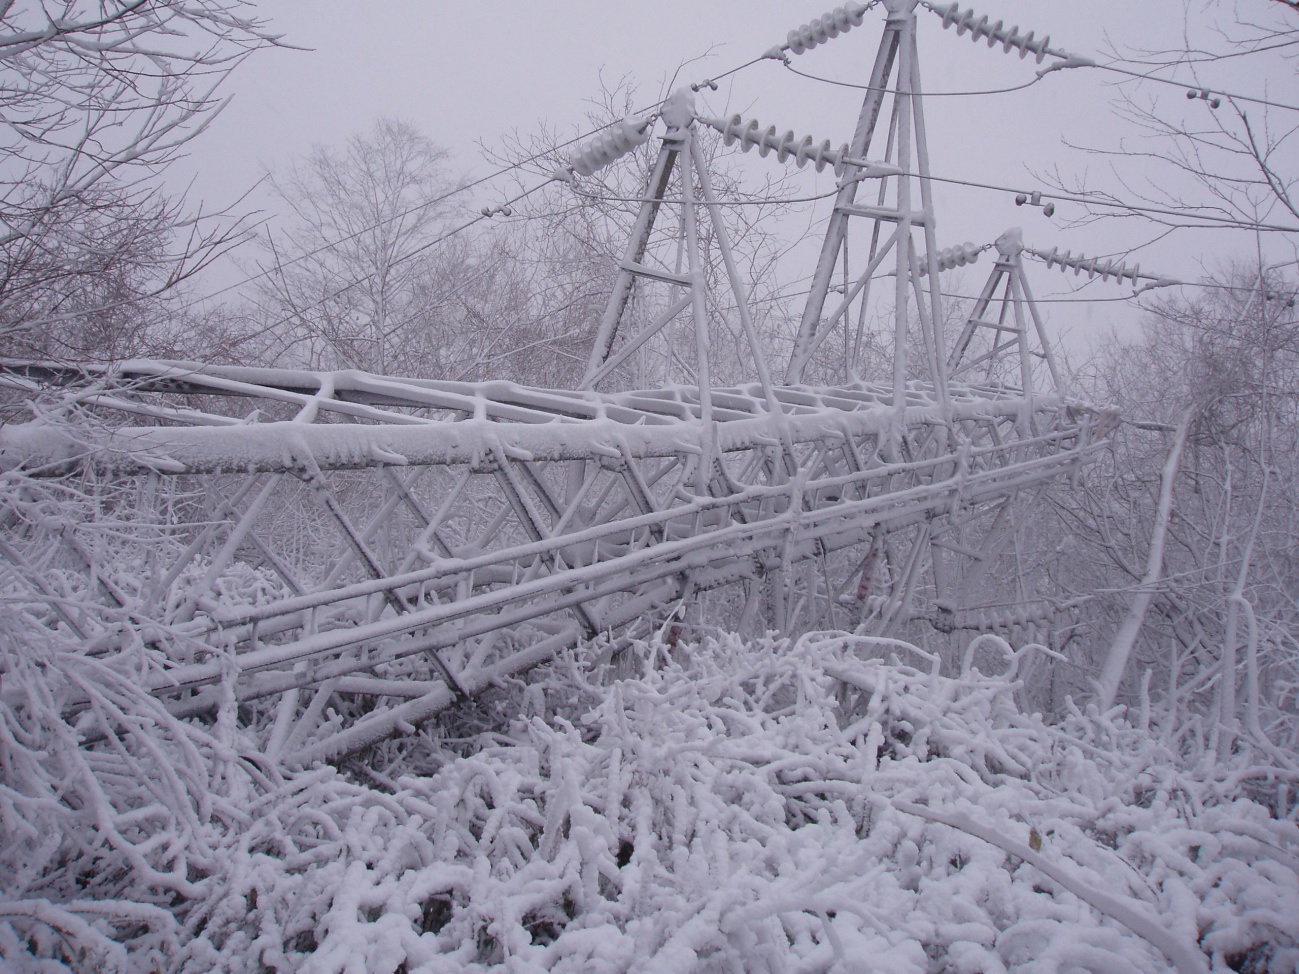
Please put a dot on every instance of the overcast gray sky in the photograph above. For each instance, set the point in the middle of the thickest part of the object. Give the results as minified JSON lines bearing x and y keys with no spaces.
{"x":465,"y":73}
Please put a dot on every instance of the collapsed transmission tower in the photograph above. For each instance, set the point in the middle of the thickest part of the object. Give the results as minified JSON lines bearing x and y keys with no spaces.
{"x":414,"y":541}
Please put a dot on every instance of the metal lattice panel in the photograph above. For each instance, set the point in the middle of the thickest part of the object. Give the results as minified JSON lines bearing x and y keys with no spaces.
{"x":447,"y":534}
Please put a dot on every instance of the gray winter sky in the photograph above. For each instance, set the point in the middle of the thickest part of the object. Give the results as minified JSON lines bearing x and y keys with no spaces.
{"x":467,"y":73}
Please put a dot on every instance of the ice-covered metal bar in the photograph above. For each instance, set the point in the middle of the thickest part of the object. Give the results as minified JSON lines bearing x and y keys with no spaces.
{"x":457,"y":529}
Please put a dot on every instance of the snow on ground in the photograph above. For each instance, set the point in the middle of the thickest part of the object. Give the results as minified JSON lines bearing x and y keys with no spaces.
{"x":729,"y":806}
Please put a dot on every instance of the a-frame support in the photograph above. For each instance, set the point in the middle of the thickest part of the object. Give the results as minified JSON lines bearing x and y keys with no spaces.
{"x":896,"y":71}
{"x":679,"y":151}
{"x":1005,"y":306}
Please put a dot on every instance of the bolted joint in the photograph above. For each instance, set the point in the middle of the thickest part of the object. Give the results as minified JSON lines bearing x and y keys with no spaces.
{"x":678,"y":112}
{"x":1010,"y":244}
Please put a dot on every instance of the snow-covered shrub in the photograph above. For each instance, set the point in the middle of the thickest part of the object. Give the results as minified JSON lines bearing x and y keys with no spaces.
{"x":105,"y":809}
{"x":759,"y":806}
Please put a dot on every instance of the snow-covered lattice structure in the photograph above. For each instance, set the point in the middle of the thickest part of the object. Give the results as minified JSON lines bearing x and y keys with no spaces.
{"x":297,"y":535}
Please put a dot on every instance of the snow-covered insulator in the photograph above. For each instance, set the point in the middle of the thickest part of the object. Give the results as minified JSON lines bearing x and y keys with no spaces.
{"x":987,"y":620}
{"x":979,"y":28}
{"x":1093,"y":266}
{"x":821,"y":30}
{"x":802,"y":151}
{"x":949,"y":257}
{"x":610,"y":145}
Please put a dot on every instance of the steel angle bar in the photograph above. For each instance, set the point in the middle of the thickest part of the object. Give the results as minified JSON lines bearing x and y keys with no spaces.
{"x":999,"y":349}
{"x":277,"y":564}
{"x":374,"y":729}
{"x":559,"y":589}
{"x":634,"y":254}
{"x":277,"y":447}
{"x":657,"y":520}
{"x":574,"y":503}
{"x":539,"y":488}
{"x":271,"y":682}
{"x":530,"y":518}
{"x":859,"y":147}
{"x":894,"y":507}
{"x":203,"y":539}
{"x":730,"y":546}
{"x":633,"y":345}
{"x":375,"y":568}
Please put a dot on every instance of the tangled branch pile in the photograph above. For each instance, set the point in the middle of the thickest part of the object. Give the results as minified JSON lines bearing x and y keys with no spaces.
{"x":727,"y":806}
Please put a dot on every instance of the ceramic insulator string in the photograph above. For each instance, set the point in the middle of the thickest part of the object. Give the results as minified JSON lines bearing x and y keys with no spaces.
{"x":610,"y":145}
{"x":979,"y":28}
{"x":1095,"y":267}
{"x":751,"y":133}
{"x":949,"y":257}
{"x":820,"y":31}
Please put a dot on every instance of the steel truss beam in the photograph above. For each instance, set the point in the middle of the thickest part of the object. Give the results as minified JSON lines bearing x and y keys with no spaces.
{"x":436,"y":544}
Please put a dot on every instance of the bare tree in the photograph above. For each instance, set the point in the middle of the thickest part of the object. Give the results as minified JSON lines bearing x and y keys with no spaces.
{"x":367,"y":272}
{"x":1195,"y":155}
{"x":97,"y":97}
{"x":1185,"y":542}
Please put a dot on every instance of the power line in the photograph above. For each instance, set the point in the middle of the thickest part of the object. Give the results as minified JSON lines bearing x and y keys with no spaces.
{"x":1198,"y":90}
{"x":1205,"y":218}
{"x":297,"y":312}
{"x":464,"y":187}
{"x":928,"y":94}
{"x":773,"y":201}
{"x":1011,"y":38}
{"x":428,"y":245}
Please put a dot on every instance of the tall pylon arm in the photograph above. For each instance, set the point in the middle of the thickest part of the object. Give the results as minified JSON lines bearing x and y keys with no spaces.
{"x":629,"y":266}
{"x":679,"y":156}
{"x":832,"y":245}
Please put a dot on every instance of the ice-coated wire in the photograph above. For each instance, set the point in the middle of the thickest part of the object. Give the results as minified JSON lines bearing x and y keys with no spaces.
{"x":772,"y":201}
{"x":1205,"y":219}
{"x":423,"y":204}
{"x":1011,"y":39}
{"x":928,"y":94}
